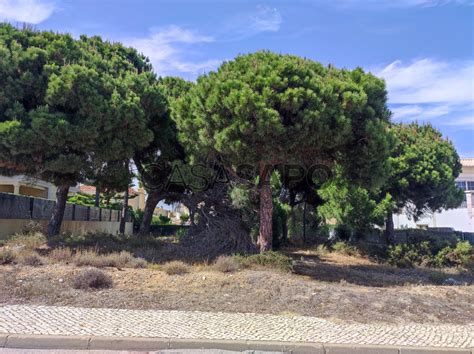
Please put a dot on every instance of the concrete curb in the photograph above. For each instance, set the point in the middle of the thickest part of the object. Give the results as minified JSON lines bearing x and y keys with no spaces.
{"x":33,"y":341}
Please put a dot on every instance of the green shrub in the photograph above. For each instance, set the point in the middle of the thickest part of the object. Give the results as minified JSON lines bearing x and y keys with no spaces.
{"x":27,"y":240}
{"x":184,"y":218}
{"x":225,"y":264}
{"x":459,"y":256}
{"x":92,"y":279}
{"x":164,"y":220}
{"x":344,"y":248}
{"x":275,"y":260}
{"x":175,"y":268}
{"x":7,"y":256}
{"x":409,"y":255}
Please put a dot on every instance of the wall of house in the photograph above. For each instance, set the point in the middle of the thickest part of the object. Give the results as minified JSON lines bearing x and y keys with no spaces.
{"x":458,"y":219}
{"x":10,"y":227}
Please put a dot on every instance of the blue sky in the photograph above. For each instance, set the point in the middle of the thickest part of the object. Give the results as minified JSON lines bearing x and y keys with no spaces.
{"x":423,"y":48}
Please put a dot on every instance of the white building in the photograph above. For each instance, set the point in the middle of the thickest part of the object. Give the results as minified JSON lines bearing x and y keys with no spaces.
{"x":461,"y":218}
{"x":22,"y":185}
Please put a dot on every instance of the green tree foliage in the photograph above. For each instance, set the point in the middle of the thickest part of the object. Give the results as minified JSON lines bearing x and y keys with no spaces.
{"x":353,"y":206}
{"x":154,"y":163}
{"x":67,"y":105}
{"x":266,"y":109}
{"x":424,"y":166}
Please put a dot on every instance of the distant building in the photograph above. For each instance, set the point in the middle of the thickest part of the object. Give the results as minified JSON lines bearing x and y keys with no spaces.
{"x":22,"y":185}
{"x":461,"y":218}
{"x":136,"y":196}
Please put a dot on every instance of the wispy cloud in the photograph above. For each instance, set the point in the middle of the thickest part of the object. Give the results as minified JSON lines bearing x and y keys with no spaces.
{"x":262,"y":19}
{"x":426,"y":89}
{"x":396,"y":3}
{"x":461,"y":121}
{"x":429,"y":81}
{"x":165,"y":49}
{"x":29,"y":11}
{"x":265,"y":19}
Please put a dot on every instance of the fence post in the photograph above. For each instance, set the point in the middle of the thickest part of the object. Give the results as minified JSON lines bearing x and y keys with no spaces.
{"x":32,"y":200}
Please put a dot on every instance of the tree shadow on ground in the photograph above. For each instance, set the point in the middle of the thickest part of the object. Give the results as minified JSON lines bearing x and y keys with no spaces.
{"x":373,"y":275}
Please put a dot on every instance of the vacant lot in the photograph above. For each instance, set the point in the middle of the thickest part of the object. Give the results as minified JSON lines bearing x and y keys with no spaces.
{"x":331,"y":286}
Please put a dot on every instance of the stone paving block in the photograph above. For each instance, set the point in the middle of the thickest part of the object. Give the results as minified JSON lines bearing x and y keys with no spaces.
{"x":3,"y":339}
{"x":128,"y":343}
{"x":286,"y":347}
{"x":46,"y":341}
{"x":238,"y":345}
{"x":359,"y":349}
{"x":201,"y":328}
{"x":408,"y":350}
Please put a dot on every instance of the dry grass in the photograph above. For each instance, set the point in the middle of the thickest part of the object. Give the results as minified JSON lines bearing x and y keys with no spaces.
{"x":176,"y":268}
{"x":7,"y":255}
{"x":29,"y":257}
{"x":27,"y":240}
{"x":61,"y":255}
{"x":324,"y":284}
{"x":225,"y":264}
{"x":92,"y":279}
{"x":115,"y":259}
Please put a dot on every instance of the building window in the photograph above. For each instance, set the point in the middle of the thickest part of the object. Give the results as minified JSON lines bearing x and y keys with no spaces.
{"x":470,"y":185}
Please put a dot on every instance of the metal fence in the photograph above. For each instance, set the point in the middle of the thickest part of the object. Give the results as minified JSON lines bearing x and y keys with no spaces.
{"x":23,"y":207}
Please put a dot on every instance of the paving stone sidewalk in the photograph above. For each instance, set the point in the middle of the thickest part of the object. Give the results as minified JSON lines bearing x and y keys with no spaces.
{"x":52,"y":320}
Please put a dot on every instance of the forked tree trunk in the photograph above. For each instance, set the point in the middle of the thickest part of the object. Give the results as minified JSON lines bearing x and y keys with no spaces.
{"x":389,"y":228}
{"x":124,"y":214}
{"x":266,"y":210}
{"x":54,"y":225}
{"x":150,"y":205}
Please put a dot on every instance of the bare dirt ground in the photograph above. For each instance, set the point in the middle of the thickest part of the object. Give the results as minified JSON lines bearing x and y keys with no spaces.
{"x":332,"y":286}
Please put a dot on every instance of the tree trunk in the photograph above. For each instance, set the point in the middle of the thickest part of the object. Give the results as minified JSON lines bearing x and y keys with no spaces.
{"x":54,"y":225}
{"x":150,"y":205}
{"x":124,"y":215}
{"x":97,"y":197}
{"x":304,"y":222}
{"x":192,"y":213}
{"x":266,"y":210}
{"x":389,"y":228}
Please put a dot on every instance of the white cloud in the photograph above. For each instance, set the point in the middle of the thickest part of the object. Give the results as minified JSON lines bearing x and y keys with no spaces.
{"x":426,"y":89}
{"x":467,"y":122}
{"x":427,"y":112}
{"x":164,"y":48}
{"x":30,"y":11}
{"x":429,"y":81}
{"x":397,"y":3}
{"x":265,"y":19}
{"x":248,"y":24}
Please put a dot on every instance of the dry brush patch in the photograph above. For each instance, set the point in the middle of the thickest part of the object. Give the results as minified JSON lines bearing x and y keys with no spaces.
{"x":347,"y":296}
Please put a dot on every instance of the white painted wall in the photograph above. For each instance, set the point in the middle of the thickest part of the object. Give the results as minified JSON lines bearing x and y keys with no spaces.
{"x":458,"y":219}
